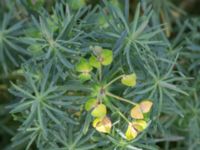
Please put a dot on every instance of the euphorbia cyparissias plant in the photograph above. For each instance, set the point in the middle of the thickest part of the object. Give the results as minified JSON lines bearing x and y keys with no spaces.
{"x":99,"y":101}
{"x":52,"y":72}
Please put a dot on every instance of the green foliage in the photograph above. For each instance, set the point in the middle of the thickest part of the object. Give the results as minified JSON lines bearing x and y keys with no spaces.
{"x":81,"y":75}
{"x":11,"y":45}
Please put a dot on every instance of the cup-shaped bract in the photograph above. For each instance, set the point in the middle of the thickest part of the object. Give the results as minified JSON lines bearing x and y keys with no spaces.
{"x":138,"y":111}
{"x":83,"y":66}
{"x":131,"y":132}
{"x":146,"y":105}
{"x":94,"y":62}
{"x":102,"y":57}
{"x":84,"y":76}
{"x":139,"y":125}
{"x":107,"y":57}
{"x":129,"y":80}
{"x":103,"y":125}
{"x":99,"y":111}
{"x":90,"y":104}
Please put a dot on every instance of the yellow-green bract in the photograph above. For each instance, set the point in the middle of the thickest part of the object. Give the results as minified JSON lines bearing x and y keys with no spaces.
{"x":129,"y":80}
{"x":99,"y":111}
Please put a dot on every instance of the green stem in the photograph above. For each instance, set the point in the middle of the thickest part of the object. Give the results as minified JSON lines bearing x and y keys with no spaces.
{"x":120,"y":98}
{"x":32,"y":129}
{"x":100,"y":73}
{"x":112,"y":81}
{"x":123,"y":116}
{"x":118,"y":111}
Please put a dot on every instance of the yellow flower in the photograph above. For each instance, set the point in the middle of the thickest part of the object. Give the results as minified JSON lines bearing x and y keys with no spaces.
{"x":84,"y":68}
{"x":107,"y":57}
{"x":99,"y":111}
{"x":135,"y":128}
{"x":103,"y":125}
{"x":139,"y":125}
{"x":137,"y":112}
{"x":131,"y":132}
{"x":129,"y":80}
{"x":103,"y":57}
{"x":90,"y":104}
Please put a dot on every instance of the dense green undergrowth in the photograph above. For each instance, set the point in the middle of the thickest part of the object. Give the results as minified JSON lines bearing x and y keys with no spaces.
{"x":110,"y":75}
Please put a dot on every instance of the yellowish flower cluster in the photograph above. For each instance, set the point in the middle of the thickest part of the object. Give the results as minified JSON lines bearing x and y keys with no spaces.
{"x":138,"y":113}
{"x":97,"y":105}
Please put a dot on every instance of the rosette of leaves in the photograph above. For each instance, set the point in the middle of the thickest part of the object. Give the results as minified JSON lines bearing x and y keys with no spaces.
{"x":72,"y":137}
{"x":191,"y":41}
{"x":12,"y":48}
{"x":41,"y":105}
{"x":191,"y":123}
{"x":57,"y":37}
{"x":159,"y":83}
{"x":164,"y":84}
{"x":134,"y":38}
{"x":166,"y":13}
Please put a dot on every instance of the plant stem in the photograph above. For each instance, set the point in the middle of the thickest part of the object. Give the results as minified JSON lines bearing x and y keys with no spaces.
{"x":122,"y":116}
{"x":120,"y":98}
{"x":119,"y":112}
{"x":112,"y":81}
{"x":100,"y":73}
